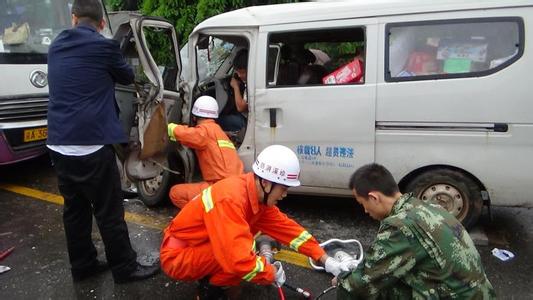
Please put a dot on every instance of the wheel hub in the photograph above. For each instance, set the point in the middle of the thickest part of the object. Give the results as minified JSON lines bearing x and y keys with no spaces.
{"x":151,"y":186}
{"x":446,"y":196}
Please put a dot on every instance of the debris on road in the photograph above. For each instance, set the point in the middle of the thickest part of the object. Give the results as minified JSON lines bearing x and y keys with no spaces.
{"x":502,"y":254}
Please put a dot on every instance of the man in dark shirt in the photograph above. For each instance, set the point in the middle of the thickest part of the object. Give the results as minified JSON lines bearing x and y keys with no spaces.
{"x":83,"y":123}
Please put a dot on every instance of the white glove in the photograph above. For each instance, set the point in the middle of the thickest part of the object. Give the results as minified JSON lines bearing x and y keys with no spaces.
{"x":280,"y":274}
{"x":349,"y":265}
{"x":335,"y":267}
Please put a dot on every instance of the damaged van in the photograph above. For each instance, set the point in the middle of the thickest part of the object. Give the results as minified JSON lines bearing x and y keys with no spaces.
{"x":437,"y":92}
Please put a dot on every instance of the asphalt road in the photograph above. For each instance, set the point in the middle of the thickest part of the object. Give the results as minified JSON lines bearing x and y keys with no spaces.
{"x":40,"y":269}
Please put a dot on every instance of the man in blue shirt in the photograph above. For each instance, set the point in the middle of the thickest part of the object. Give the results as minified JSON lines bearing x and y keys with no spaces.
{"x":83,"y":123}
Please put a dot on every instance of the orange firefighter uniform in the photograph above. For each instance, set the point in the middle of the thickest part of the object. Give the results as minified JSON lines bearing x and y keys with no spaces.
{"x":214,"y":235}
{"x":216,"y":154}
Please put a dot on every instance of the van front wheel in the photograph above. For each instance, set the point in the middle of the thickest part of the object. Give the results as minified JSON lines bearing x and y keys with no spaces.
{"x":458,"y":193}
{"x":155,"y":190}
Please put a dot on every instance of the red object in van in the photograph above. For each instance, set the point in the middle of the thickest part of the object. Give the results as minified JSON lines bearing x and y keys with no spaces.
{"x":418,"y":62}
{"x":350,"y":72}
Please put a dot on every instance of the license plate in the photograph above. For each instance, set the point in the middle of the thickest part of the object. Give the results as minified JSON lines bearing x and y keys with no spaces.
{"x":35,"y":134}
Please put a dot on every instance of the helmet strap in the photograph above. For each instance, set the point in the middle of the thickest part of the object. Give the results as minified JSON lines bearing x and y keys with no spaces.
{"x":194,"y":120}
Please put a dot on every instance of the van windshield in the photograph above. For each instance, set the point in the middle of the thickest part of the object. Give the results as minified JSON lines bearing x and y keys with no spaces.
{"x":211,"y":59}
{"x":28,"y":27}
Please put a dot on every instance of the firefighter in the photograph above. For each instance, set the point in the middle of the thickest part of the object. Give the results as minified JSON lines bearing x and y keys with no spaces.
{"x":212,"y":238}
{"x":216,"y":154}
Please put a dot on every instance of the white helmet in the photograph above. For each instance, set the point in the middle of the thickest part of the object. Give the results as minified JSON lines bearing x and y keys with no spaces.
{"x":278,"y":164}
{"x":205,"y":107}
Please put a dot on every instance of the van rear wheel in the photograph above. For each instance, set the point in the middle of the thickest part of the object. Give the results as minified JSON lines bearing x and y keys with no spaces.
{"x":458,"y":193}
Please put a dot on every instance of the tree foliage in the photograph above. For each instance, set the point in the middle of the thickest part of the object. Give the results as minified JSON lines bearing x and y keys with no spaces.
{"x":123,"y":4}
{"x":114,"y":4}
{"x":186,"y":14}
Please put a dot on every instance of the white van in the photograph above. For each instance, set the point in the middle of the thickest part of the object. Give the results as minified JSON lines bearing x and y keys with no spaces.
{"x":436,"y":91}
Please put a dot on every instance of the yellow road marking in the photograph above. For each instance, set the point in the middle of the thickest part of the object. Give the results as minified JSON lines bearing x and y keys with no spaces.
{"x":147,"y":221}
{"x":151,"y":222}
{"x":292,"y":257}
{"x":53,"y":198}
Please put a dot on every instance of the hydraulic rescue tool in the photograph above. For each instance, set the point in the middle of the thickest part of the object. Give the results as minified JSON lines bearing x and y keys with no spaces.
{"x":267,"y":247}
{"x":349,"y":252}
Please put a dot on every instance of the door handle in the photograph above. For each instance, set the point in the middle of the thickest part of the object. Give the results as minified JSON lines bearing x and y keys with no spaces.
{"x":501,"y":127}
{"x":273,"y":121}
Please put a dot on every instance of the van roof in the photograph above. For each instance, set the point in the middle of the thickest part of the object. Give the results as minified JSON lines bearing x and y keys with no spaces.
{"x":332,"y":10}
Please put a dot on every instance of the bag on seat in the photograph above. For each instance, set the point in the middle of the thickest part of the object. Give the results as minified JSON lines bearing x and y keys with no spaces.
{"x":16,"y":35}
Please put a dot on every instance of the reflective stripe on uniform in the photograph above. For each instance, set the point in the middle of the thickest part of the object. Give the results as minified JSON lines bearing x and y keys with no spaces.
{"x":259,"y":267}
{"x":225,"y":144}
{"x":207,"y":199}
{"x":302,"y":238}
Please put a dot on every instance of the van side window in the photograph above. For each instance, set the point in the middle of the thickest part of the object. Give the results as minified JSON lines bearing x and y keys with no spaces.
{"x":316,"y":57}
{"x":452,"y":48}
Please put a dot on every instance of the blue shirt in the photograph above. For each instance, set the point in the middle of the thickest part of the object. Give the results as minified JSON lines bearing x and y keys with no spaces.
{"x":83,"y":67}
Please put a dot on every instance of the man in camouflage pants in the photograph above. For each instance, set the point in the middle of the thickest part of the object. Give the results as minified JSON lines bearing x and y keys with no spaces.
{"x":421,"y":251}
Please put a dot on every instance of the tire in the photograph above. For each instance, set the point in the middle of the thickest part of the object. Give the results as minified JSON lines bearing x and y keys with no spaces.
{"x":456,"y":192}
{"x":129,"y":189}
{"x":154,"y":191}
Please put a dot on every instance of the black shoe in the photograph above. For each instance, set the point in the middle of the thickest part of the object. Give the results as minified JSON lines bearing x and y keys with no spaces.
{"x":129,"y":193}
{"x":97,"y":268}
{"x":207,"y":291}
{"x":139,"y":273}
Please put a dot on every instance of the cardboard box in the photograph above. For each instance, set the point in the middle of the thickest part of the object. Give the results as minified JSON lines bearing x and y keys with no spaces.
{"x":350,"y":72}
{"x":457,"y":65}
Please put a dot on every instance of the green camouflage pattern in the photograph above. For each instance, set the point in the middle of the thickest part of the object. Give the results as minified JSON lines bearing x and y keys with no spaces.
{"x":420,"y":252}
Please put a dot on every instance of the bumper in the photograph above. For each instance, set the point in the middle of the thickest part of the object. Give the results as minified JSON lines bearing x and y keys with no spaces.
{"x":8,"y":155}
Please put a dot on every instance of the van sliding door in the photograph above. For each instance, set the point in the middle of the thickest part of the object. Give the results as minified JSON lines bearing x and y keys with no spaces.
{"x":319,"y":97}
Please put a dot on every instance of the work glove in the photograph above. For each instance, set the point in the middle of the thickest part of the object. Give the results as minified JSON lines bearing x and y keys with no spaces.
{"x":170,"y":128}
{"x":335,"y":267}
{"x":280,"y":274}
{"x":349,"y":265}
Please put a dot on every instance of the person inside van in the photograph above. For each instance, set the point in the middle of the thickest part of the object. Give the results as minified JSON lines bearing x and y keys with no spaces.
{"x":233,"y":115}
{"x":421,"y":250}
{"x":216,"y":154}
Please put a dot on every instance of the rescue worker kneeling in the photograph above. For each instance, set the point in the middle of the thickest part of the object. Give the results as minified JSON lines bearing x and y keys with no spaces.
{"x":216,"y":154}
{"x":212,"y":237}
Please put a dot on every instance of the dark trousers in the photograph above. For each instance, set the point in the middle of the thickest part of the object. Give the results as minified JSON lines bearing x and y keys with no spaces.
{"x":90,"y":184}
{"x":232,"y":122}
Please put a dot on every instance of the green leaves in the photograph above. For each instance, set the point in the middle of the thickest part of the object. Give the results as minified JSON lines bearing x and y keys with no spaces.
{"x":114,"y":4}
{"x":186,"y":14}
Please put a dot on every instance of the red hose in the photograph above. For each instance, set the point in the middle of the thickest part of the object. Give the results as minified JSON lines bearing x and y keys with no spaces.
{"x":281,"y":294}
{"x":6,"y":253}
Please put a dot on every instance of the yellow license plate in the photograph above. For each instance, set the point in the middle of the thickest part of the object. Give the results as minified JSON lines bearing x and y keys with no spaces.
{"x":35,"y":134}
